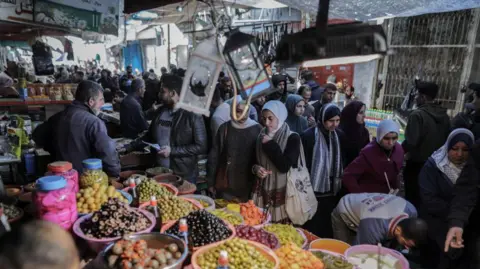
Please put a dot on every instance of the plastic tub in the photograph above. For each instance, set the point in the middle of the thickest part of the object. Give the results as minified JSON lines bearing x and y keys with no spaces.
{"x":92,"y":173}
{"x":331,"y":245}
{"x":268,"y":253}
{"x":203,"y":198}
{"x":372,"y":249}
{"x":169,"y":224}
{"x":98,"y":244}
{"x":65,"y":170}
{"x":55,"y":201}
{"x":155,"y":241}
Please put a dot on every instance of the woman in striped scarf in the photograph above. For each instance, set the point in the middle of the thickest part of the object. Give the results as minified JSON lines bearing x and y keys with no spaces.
{"x":324,"y":161}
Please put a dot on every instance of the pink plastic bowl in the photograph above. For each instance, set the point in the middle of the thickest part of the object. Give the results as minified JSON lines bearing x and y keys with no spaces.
{"x":98,"y":244}
{"x":369,"y":249}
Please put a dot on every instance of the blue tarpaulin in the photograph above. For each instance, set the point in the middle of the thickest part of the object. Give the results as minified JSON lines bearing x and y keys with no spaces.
{"x":132,"y":55}
{"x":365,"y":10}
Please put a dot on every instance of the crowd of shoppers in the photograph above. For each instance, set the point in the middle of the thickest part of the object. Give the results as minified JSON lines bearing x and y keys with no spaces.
{"x":355,"y":176}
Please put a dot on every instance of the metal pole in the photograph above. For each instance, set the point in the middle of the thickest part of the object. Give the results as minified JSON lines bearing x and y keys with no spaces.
{"x":468,"y":62}
{"x":168,"y":45}
{"x":385,"y":66}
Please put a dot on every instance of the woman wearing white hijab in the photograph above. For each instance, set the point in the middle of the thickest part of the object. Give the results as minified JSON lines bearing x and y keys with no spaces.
{"x":437,"y":180}
{"x":277,"y":151}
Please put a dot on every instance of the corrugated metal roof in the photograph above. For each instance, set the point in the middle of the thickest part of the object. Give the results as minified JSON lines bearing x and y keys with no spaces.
{"x":370,"y":9}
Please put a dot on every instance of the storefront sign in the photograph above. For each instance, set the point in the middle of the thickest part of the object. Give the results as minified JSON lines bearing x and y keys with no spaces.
{"x":16,"y":10}
{"x":90,"y":15}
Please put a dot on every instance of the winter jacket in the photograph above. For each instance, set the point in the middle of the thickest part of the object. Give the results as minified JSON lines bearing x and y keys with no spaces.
{"x":317,"y":91}
{"x":427,"y":130}
{"x":367,"y":172}
{"x":76,"y":134}
{"x":188,"y":139}
{"x":466,"y":191}
{"x":436,"y":192}
{"x":132,"y":118}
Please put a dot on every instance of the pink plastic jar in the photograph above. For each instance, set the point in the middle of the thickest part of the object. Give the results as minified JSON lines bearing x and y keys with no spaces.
{"x":65,"y":170}
{"x":55,"y":201}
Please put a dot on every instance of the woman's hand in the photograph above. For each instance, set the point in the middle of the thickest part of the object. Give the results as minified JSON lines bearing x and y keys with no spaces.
{"x":261,"y":172}
{"x":454,"y":238}
{"x":266,"y":139}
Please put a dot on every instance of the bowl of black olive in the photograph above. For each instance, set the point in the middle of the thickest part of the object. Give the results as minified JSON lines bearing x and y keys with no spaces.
{"x":146,"y":251}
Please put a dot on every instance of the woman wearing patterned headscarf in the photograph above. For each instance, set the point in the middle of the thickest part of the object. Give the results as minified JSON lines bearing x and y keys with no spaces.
{"x":437,"y":180}
{"x":324,"y":161}
{"x":278,"y":150}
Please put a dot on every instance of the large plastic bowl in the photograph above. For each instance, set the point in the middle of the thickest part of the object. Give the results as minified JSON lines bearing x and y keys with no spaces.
{"x":299,"y":231}
{"x":195,"y":204}
{"x":331,"y":245}
{"x":156,"y":171}
{"x":278,"y":241}
{"x":232,"y":213}
{"x":97,"y":244}
{"x":155,"y":241}
{"x":268,"y":253}
{"x":126,"y":174}
{"x":372,"y":249}
{"x":169,"y":224}
{"x":171,"y":179}
{"x":203,"y":198}
{"x":169,"y":187}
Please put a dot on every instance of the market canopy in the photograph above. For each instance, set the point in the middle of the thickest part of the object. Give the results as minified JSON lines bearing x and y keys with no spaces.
{"x":364,"y":10}
{"x":347,"y":9}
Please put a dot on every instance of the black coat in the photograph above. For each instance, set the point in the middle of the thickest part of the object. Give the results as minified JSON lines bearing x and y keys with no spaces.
{"x":76,"y":134}
{"x":188,"y":139}
{"x":436,"y":192}
{"x":132,"y":118}
{"x":466,"y":191}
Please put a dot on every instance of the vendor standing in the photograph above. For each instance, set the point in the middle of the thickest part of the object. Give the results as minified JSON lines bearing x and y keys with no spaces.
{"x":372,"y":218}
{"x":76,"y":133}
{"x":180,"y":134}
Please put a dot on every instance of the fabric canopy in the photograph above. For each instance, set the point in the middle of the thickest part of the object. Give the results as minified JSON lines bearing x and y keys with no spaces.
{"x":364,"y":10}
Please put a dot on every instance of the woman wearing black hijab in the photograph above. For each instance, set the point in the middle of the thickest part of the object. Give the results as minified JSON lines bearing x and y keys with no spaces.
{"x":353,"y":134}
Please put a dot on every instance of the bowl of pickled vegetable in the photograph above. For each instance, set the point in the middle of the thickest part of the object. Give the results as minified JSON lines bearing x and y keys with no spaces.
{"x":332,"y":260}
{"x":241,"y":254}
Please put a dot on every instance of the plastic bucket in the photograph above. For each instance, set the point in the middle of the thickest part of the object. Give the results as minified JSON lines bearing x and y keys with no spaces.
{"x":372,"y":249}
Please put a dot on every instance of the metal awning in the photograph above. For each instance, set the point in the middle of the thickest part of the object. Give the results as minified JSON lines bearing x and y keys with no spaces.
{"x":364,"y":10}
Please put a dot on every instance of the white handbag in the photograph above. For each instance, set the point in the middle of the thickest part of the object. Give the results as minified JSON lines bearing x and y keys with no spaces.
{"x":301,"y":203}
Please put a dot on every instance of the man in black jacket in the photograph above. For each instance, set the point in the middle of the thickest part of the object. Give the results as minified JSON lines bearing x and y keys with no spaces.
{"x":470,"y":119}
{"x":180,"y":134}
{"x":132,"y":118}
{"x":76,"y":133}
{"x":427,"y":130}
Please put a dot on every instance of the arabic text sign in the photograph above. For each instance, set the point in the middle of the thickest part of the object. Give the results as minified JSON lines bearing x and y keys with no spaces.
{"x":16,"y":10}
{"x":90,"y":15}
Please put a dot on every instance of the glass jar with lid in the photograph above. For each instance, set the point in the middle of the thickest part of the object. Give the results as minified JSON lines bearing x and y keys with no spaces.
{"x":92,"y":173}
{"x":55,"y":201}
{"x":64,"y":169}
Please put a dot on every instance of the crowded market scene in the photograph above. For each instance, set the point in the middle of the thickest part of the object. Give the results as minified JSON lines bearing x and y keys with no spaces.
{"x":220,"y":134}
